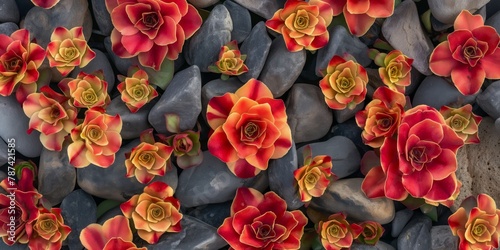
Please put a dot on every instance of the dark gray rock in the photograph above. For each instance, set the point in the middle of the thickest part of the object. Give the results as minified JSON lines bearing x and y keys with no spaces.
{"x":256,"y":47}
{"x":16,"y":246}
{"x":308,"y":115}
{"x":282,"y":181}
{"x":217,"y":87}
{"x":282,"y":67}
{"x":340,"y":43}
{"x":346,"y":196}
{"x":213,"y":182}
{"x":182,"y":97}
{"x":351,"y":130}
{"x":400,"y":220}
{"x":121,"y":64}
{"x":111,"y":183}
{"x":346,"y":114}
{"x":416,"y":235}
{"x":9,"y":11}
{"x":489,"y":100}
{"x":446,"y":11}
{"x":100,"y":62}
{"x":8,"y":28}
{"x":109,"y":214}
{"x":203,"y":3}
{"x":497,"y":124}
{"x":133,"y":123}
{"x":263,"y":8}
{"x":3,"y":153}
{"x":194,"y":235}
{"x":344,"y":154}
{"x":379,"y":246}
{"x":14,"y":124}
{"x":437,"y":91}
{"x":212,"y":214}
{"x":242,"y":23}
{"x":102,"y":17}
{"x":404,"y":32}
{"x":442,"y":238}
{"x":204,"y":46}
{"x":494,"y":21}
{"x":78,"y":210}
{"x":56,"y":176}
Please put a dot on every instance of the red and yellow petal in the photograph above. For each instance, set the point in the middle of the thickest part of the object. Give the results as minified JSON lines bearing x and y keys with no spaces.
{"x":220,"y":147}
{"x":442,"y":189}
{"x":466,"y":21}
{"x":254,"y":89}
{"x":418,"y":183}
{"x":441,"y":61}
{"x":373,"y":183}
{"x":468,"y":80}
{"x":358,"y":24}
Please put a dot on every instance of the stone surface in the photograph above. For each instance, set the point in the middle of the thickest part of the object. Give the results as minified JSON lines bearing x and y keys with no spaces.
{"x":400,"y":220}
{"x":439,"y":26}
{"x":404,"y":32}
{"x":478,"y":164}
{"x":9,"y":11}
{"x":282,"y":181}
{"x":8,"y":28}
{"x":212,"y":214}
{"x":204,"y":46}
{"x":497,"y":124}
{"x":346,"y":196}
{"x":282,"y":67}
{"x":436,"y":91}
{"x":202,"y":3}
{"x":256,"y":47}
{"x":416,"y":234}
{"x":121,"y":64}
{"x":100,"y":62}
{"x":242,"y":22}
{"x":346,"y":114}
{"x":3,"y":153}
{"x":489,"y":100}
{"x":111,"y":183}
{"x":133,"y":123}
{"x":14,"y":124}
{"x":351,"y":130}
{"x":341,"y":42}
{"x":308,"y":115}
{"x":16,"y":246}
{"x":379,"y":246}
{"x":78,"y":211}
{"x":344,"y":154}
{"x":494,"y":21}
{"x":182,"y":97}
{"x":217,"y":87}
{"x":102,"y":17}
{"x":56,"y":176}
{"x":442,"y":238}
{"x":195,"y":235}
{"x":446,"y":11}
{"x":263,"y":8}
{"x":213,"y":182}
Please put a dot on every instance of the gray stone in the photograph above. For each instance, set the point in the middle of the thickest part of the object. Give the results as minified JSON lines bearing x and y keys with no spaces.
{"x":212,"y":182}
{"x":346,"y":114}
{"x":217,"y":87}
{"x":439,"y":26}
{"x":489,"y":100}
{"x":3,"y":153}
{"x":282,"y":181}
{"x":242,"y":22}
{"x":308,"y":115}
{"x":102,"y":17}
{"x":133,"y":123}
{"x":194,"y":235}
{"x":78,"y":211}
{"x":3,"y":175}
{"x":100,"y":62}
{"x":111,"y":183}
{"x":497,"y":124}
{"x":204,"y":46}
{"x":212,"y":214}
{"x":379,"y":246}
{"x":109,"y":214}
{"x":56,"y":176}
{"x":442,"y":238}
{"x":182,"y":97}
{"x":14,"y":124}
{"x":121,"y":64}
{"x":282,"y":67}
{"x":9,"y":11}
{"x":346,"y":196}
{"x":416,"y":235}
{"x":256,"y":47}
{"x":202,"y":3}
{"x":446,"y":11}
{"x":436,"y":91}
{"x":16,"y":246}
{"x":344,"y":154}
{"x":8,"y":28}
{"x":69,"y":13}
{"x":400,"y":220}
{"x":404,"y":32}
{"x":340,"y":43}
{"x":494,"y":21}
{"x":263,"y":8}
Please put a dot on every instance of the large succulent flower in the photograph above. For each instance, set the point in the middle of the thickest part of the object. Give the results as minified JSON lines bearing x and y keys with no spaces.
{"x":48,"y":231}
{"x":361,"y":14}
{"x":250,"y":128}
{"x":231,"y":61}
{"x":421,"y":162}
{"x":19,"y":63}
{"x":381,"y":116}
{"x":46,"y":4}
{"x":476,"y":223}
{"x":52,"y":115}
{"x":154,"y":212}
{"x":303,"y":24}
{"x":96,"y":140}
{"x":151,"y":29}
{"x":114,"y":234}
{"x":135,"y":90}
{"x":463,"y":122}
{"x":313,"y":178}
{"x":261,"y":221}
{"x":86,"y":90}
{"x":395,"y":70}
{"x":344,"y":83}
{"x":68,"y":49}
{"x":469,"y":55}
{"x":336,"y":233}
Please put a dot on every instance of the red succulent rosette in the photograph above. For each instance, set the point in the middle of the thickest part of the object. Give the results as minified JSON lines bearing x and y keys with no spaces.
{"x":250,"y":127}
{"x":261,"y":221}
{"x":469,"y":55}
{"x":151,"y":29}
{"x":48,"y":231}
{"x":46,"y":4}
{"x":336,"y":233}
{"x":303,"y":24}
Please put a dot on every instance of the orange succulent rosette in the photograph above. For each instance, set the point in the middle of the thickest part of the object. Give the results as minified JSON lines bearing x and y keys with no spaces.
{"x":46,"y":4}
{"x":463,"y":122}
{"x":336,"y":233}
{"x":370,"y":233}
{"x":147,"y":160}
{"x":154,"y":212}
{"x":396,"y":70}
{"x":313,"y":178}
{"x":48,"y":231}
{"x":86,"y":90}
{"x":135,"y":90}
{"x":231,"y":61}
{"x":250,"y":127}
{"x":303,"y":24}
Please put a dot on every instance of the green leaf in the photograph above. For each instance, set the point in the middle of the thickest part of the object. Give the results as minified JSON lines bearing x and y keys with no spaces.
{"x":379,"y":59}
{"x":426,"y":20}
{"x":224,"y":77}
{"x":18,"y":168}
{"x":412,"y":202}
{"x":382,"y":45}
{"x":162,"y":77}
{"x":147,"y":136}
{"x":173,"y":121}
{"x":372,"y":53}
{"x":430,"y":211}
{"x":105,"y":206}
{"x":307,"y":155}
